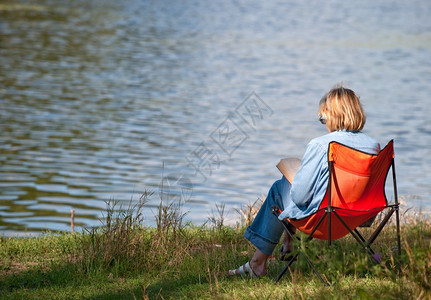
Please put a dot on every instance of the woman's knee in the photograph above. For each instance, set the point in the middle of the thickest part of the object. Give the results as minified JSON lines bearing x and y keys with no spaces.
{"x":274,"y":195}
{"x":277,"y":192}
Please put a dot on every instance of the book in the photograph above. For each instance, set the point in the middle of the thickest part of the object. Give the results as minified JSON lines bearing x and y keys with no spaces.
{"x":288,"y":167}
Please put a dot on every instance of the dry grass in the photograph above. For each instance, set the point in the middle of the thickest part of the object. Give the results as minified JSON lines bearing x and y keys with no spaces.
{"x":248,"y":212}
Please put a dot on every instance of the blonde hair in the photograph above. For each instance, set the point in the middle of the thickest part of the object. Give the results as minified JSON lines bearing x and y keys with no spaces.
{"x":342,"y":110}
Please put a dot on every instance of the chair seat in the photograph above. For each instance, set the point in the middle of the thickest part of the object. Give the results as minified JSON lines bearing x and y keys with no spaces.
{"x":353,"y":219}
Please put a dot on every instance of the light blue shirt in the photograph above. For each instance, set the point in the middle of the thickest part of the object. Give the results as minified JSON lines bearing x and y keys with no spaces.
{"x":309,"y":185}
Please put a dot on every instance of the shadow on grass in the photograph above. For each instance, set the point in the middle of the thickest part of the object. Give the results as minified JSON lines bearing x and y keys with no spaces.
{"x":59,"y":281}
{"x":67,"y":280}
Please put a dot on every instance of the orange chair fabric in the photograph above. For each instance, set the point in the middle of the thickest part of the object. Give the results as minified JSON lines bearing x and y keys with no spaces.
{"x":357,"y":190}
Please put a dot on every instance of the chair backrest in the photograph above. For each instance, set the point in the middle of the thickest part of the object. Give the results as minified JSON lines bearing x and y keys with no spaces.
{"x":357,"y":178}
{"x":356,"y":191}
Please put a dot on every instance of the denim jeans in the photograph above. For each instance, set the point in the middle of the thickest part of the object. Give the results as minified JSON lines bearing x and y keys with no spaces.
{"x":266,"y":230}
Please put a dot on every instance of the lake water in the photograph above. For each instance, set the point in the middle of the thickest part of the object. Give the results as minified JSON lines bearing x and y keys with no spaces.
{"x":103,"y":100}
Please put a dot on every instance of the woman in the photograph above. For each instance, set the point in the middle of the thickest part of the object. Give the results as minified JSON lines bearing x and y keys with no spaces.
{"x":342,"y":113}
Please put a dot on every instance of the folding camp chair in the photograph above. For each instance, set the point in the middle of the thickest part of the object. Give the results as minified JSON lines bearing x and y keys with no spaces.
{"x":355,"y":194}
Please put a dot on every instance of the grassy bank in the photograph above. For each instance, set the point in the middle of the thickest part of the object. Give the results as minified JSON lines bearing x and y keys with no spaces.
{"x":123,"y":260}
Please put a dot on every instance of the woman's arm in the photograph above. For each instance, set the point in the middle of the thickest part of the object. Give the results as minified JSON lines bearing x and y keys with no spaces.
{"x":311,"y":175}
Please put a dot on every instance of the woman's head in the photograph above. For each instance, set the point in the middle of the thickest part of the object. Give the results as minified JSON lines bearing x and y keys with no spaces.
{"x":342,"y":110}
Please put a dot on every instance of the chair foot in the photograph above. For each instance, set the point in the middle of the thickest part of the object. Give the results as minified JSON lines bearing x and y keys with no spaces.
{"x":377,"y":258}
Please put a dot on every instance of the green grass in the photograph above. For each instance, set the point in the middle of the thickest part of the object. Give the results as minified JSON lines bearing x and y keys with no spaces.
{"x":123,"y":260}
